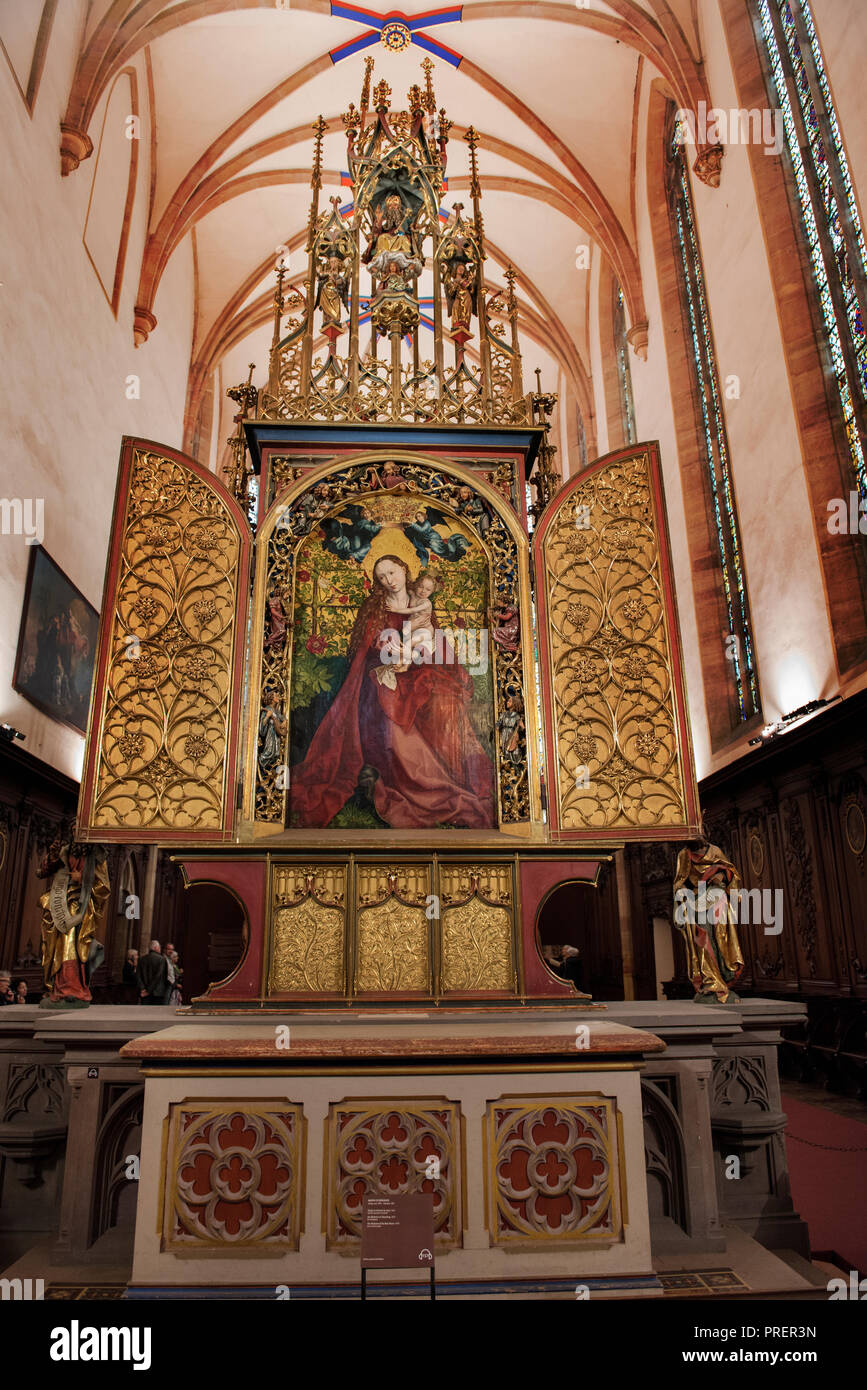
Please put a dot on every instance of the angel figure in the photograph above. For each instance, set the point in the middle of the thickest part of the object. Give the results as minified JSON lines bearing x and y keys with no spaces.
{"x":424,"y":538}
{"x":349,"y":535}
{"x":505,"y":626}
{"x":272,"y":731}
{"x":276,"y":620}
{"x":510,"y":724}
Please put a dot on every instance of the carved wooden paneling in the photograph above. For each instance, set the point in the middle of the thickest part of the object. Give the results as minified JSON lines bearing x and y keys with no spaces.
{"x":618,"y":747}
{"x":162,"y":740}
{"x":794,"y":819}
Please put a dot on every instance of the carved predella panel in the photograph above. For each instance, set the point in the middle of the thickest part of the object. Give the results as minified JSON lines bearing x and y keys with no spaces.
{"x":308,"y":929}
{"x":554,"y":1170}
{"x":392,"y":929}
{"x":233,"y":1179}
{"x":392,"y":1148}
{"x":617,"y":737}
{"x":477,"y":936}
{"x":162,"y":740}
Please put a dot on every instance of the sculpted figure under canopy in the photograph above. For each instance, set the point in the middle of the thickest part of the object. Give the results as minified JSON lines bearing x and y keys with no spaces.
{"x":393,"y":249}
{"x":410,"y":722}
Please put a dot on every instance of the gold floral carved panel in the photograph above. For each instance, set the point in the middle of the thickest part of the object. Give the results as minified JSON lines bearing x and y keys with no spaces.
{"x":308,"y":929}
{"x":477,"y":928}
{"x":392,"y":928}
{"x":392,"y":949}
{"x":618,"y":739}
{"x":163,"y":732}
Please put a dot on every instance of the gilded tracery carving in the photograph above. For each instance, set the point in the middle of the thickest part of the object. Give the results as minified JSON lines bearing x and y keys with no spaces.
{"x":393,"y":1148}
{"x":164,"y":726}
{"x":233,"y":1177}
{"x":554,"y":1170}
{"x":616,"y":734}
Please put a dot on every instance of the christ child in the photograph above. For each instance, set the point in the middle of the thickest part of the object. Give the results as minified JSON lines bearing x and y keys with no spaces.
{"x":417,"y":617}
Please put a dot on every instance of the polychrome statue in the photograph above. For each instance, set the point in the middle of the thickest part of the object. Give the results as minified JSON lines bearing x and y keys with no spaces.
{"x":71,"y":910}
{"x":705,"y":894}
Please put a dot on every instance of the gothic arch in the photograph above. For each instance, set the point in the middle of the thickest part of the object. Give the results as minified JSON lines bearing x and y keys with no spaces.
{"x":98,"y":191}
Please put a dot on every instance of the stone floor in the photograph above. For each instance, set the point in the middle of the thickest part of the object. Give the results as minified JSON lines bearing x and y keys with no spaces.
{"x":745,"y":1271}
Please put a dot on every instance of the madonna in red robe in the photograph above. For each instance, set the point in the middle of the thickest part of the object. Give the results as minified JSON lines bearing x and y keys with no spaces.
{"x":432,"y":768}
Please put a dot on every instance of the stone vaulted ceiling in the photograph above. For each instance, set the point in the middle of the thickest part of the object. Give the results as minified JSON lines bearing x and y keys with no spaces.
{"x":234,"y":85}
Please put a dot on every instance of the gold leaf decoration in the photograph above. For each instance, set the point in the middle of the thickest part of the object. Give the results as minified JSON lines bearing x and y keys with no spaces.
{"x":619,"y":763}
{"x":163,"y":731}
{"x":392,"y":948}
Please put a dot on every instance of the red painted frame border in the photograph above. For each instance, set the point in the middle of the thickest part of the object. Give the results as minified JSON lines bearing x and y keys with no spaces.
{"x":690,"y":827}
{"x":142,"y":835}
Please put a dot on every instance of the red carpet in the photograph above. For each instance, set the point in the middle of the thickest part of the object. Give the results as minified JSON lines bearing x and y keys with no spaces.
{"x":828,"y":1186}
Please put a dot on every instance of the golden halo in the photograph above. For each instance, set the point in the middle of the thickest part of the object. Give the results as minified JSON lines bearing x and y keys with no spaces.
{"x":391,"y":541}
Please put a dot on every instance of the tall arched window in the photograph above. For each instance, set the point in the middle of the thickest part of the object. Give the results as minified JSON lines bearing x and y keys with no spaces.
{"x":624,"y":375}
{"x":739,"y":643}
{"x":582,"y":441}
{"x":828,"y":208}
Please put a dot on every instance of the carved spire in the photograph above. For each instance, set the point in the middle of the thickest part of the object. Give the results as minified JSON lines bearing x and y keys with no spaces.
{"x":472,"y":139}
{"x":382,"y":96}
{"x":430,"y":101}
{"x":365,"y":87}
{"x":319,"y":127}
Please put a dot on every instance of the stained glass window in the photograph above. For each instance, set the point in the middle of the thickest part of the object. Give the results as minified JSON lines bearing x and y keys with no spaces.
{"x":582,"y":443}
{"x":621,"y":348}
{"x":829,"y":212}
{"x":739,"y":644}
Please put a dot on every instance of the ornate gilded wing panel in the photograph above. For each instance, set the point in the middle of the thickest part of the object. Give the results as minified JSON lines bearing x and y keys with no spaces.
{"x":162,"y":743}
{"x":619,"y":753}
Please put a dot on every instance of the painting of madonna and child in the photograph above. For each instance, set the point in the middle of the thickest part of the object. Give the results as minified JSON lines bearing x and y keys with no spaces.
{"x":391,"y":719}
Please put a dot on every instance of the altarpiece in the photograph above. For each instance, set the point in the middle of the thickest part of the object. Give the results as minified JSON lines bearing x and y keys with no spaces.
{"x":391,"y":684}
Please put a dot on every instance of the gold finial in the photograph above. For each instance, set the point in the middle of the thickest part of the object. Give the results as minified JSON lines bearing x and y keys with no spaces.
{"x":539,"y":380}
{"x":511,"y":277}
{"x":472,"y":138}
{"x":319,"y":128}
{"x":352,"y":121}
{"x":246,"y":395}
{"x":365,"y":86}
{"x":430,"y":101}
{"x":381,"y":96}
{"x":444,"y":125}
{"x":414,"y":99}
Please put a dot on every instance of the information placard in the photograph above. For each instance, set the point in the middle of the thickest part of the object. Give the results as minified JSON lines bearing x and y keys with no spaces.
{"x":398,"y":1232}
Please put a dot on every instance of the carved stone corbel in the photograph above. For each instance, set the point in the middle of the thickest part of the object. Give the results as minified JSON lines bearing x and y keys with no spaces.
{"x":75,"y":145}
